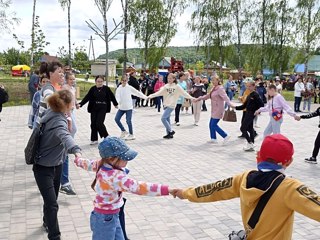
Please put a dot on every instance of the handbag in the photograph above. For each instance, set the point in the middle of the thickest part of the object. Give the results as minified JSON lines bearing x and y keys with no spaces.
{"x":230,"y":115}
{"x":31,"y":151}
{"x":186,"y":103}
{"x":242,"y":235}
{"x":277,"y":115}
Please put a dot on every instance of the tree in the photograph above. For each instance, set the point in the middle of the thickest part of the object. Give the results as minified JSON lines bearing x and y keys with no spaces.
{"x":32,"y":32}
{"x":124,"y":4}
{"x":14,"y":56}
{"x":308,"y":27}
{"x":81,"y":59}
{"x":67,"y":4}
{"x":211,"y":24}
{"x":7,"y":19}
{"x":104,"y":6}
{"x":153,"y":26}
{"x":39,"y":43}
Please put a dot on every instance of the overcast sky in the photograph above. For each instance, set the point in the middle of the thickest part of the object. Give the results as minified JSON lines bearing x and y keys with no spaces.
{"x":53,"y":21}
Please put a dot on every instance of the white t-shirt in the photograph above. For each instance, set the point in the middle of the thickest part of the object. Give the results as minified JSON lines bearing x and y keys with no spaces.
{"x":279,"y":88}
{"x":123,"y":96}
{"x":298,"y":88}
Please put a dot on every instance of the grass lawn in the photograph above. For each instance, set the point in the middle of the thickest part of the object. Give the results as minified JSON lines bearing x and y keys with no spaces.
{"x":17,"y":88}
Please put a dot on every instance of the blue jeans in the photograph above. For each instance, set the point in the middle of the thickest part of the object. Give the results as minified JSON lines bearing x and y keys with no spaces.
{"x":65,"y":166}
{"x":128,"y":119}
{"x":230,"y":95}
{"x":214,"y":128}
{"x":273,"y":127}
{"x":166,"y":119}
{"x":105,"y":226}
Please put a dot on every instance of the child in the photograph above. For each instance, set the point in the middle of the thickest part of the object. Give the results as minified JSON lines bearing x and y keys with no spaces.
{"x":276,"y":219}
{"x":111,"y":180}
{"x":170,"y":92}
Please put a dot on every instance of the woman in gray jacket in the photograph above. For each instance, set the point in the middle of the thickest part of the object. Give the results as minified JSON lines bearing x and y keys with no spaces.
{"x":55,"y":143}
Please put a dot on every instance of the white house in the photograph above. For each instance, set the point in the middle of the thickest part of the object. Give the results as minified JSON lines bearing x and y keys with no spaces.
{"x":99,"y":67}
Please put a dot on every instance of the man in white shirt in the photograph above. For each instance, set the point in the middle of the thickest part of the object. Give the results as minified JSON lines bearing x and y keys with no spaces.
{"x":123,"y":96}
{"x":278,"y":85}
{"x":298,"y":90}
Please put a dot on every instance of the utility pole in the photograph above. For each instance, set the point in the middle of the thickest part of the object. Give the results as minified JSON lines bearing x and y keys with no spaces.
{"x":91,"y":46}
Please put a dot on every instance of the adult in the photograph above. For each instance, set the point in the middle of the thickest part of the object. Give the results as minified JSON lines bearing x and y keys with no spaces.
{"x":278,"y":85}
{"x":242,"y":85}
{"x":217,"y":96}
{"x":298,"y":90}
{"x":198,"y":90}
{"x":275,"y":106}
{"x":277,"y":217}
{"x":33,"y":84}
{"x":66,"y":186}
{"x":55,"y":142}
{"x":205,"y":82}
{"x":170,"y":92}
{"x":123,"y":97}
{"x":99,"y":98}
{"x":230,"y":87}
{"x":308,"y":94}
{"x":135,"y":84}
{"x":159,"y":84}
{"x":315,"y":152}
{"x":182,"y":83}
{"x":252,"y":104}
{"x":3,"y":97}
{"x":54,"y":72}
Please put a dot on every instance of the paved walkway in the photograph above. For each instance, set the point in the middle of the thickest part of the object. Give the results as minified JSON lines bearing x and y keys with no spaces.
{"x":186,"y":160}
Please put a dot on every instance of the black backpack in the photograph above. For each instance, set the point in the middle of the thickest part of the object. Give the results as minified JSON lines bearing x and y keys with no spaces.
{"x":4,"y":97}
{"x":31,"y":152}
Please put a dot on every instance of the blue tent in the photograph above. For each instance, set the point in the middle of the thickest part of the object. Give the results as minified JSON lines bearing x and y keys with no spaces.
{"x":299,"y":68}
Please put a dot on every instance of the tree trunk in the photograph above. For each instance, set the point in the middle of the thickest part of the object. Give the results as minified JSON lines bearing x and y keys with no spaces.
{"x":125,"y":11}
{"x":107,"y":48}
{"x":69,"y":34}
{"x":263,"y":34}
{"x":239,"y":37}
{"x":308,"y":38}
{"x":32,"y":32}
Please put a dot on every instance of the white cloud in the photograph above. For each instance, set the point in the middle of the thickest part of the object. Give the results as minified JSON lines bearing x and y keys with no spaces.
{"x":53,"y":22}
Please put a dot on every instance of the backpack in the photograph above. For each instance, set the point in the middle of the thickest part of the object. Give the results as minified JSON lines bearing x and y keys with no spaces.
{"x":4,"y":97}
{"x":31,"y":152}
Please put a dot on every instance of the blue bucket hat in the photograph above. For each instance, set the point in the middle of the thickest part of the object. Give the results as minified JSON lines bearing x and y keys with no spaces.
{"x":116,"y":147}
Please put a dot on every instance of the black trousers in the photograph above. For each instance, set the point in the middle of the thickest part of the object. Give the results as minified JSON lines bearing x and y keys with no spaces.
{"x":247,"y":127}
{"x":122,"y":219}
{"x":177,"y":113}
{"x":48,"y":181}
{"x":204,"y":106}
{"x":316,"y":146}
{"x":297,"y":102}
{"x":97,"y":124}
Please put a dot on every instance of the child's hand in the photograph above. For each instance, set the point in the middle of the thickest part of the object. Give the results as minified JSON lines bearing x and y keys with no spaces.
{"x":176,"y":193}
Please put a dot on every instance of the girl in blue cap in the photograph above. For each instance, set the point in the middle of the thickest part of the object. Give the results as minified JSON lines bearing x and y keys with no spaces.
{"x":111,"y":180}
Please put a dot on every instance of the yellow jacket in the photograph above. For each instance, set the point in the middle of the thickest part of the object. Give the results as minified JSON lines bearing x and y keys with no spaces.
{"x":276,"y":220}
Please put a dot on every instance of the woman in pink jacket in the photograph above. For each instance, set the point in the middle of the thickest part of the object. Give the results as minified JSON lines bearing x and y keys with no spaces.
{"x":218,"y":96}
{"x":159,"y":84}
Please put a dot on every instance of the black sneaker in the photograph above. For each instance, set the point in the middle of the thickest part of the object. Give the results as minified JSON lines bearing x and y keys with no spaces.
{"x":241,"y":136}
{"x":168,"y":136}
{"x":45,"y":227}
{"x":67,"y":190}
{"x":311,"y":160}
{"x":172,"y":133}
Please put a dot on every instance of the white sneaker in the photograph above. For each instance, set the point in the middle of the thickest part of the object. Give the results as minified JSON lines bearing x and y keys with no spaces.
{"x":213,"y":141}
{"x":256,"y":126}
{"x":93,"y":142}
{"x":196,"y":124}
{"x":130,"y":137}
{"x":226,"y":140}
{"x":177,"y":124}
{"x":123,"y":134}
{"x":248,"y":147}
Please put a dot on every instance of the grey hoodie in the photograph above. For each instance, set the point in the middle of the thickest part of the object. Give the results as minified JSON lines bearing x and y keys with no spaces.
{"x":56,"y":140}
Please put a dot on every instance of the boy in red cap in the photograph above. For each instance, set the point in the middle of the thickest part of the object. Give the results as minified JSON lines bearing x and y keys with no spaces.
{"x":276,"y":219}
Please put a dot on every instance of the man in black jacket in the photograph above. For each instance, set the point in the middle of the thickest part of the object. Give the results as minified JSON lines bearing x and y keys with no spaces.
{"x":133,"y":82}
{"x":253,"y":103}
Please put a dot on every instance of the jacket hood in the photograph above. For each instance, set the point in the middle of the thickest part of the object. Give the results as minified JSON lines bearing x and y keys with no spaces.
{"x":57,"y":116}
{"x":256,"y":184}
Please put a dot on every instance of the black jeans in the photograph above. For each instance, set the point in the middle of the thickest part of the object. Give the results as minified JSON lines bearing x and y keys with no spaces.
{"x":122,"y":219}
{"x":247,"y":127}
{"x":316,"y":146}
{"x":97,"y":124}
{"x":48,"y":181}
{"x":204,"y":106}
{"x":297,"y":102}
{"x":177,"y":112}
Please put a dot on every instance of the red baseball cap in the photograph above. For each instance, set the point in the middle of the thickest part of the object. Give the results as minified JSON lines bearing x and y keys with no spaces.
{"x":276,"y":147}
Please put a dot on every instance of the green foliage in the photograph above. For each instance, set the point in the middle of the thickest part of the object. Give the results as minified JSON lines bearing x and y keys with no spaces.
{"x":7,"y":19}
{"x":39,"y":43}
{"x":13,"y":57}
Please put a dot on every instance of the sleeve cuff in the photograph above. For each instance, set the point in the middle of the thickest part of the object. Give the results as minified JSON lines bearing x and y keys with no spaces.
{"x":164,"y":190}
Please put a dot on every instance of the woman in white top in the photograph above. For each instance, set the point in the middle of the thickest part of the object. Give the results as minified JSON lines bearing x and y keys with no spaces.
{"x":298,"y":90}
{"x":309,"y":92}
{"x":170,"y":92}
{"x":125,"y":106}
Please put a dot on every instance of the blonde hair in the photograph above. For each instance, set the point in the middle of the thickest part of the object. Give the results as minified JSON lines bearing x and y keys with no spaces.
{"x":59,"y":101}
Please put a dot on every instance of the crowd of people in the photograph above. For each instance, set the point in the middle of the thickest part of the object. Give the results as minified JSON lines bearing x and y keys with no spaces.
{"x":53,"y":108}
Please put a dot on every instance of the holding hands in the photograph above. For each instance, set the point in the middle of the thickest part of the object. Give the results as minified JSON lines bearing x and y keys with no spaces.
{"x":257,"y":113}
{"x":298,"y":118}
{"x":176,"y":193}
